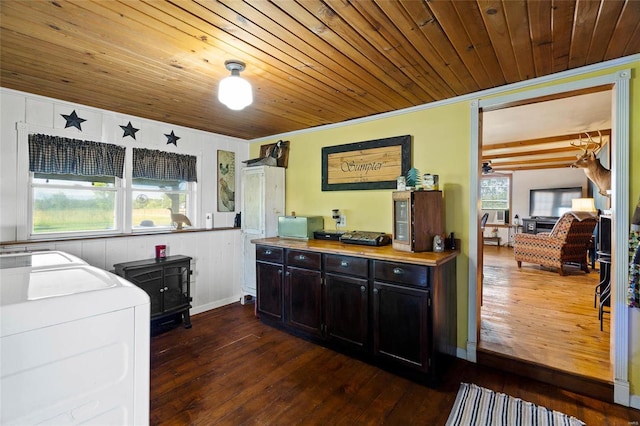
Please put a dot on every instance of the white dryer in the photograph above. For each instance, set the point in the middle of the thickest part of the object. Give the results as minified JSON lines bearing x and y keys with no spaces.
{"x":74,"y":343}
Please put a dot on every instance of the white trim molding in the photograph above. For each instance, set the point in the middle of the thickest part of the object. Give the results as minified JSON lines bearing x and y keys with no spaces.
{"x":620,"y":205}
{"x":620,"y":202}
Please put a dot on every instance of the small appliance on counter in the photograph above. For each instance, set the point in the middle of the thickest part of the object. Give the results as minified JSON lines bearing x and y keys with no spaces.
{"x":302,"y":227}
{"x":366,"y":238}
{"x":329,"y":235}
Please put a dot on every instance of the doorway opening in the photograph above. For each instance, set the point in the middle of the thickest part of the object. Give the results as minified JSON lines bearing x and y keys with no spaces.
{"x":619,"y":201}
{"x":533,"y":313}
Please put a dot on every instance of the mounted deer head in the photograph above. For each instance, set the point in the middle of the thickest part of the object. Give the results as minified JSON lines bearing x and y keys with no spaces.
{"x":594,"y":170}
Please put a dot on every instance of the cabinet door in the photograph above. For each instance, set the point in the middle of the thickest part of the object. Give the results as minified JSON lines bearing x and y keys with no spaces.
{"x":175,"y":293}
{"x":150,"y":280}
{"x":253,"y":214}
{"x":402,"y":221}
{"x":269,"y":279}
{"x":401,"y":330}
{"x":304,"y":300}
{"x":346,"y":310}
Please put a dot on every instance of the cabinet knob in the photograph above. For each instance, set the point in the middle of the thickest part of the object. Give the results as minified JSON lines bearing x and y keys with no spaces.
{"x":362,"y":289}
{"x":398,"y":271}
{"x":375,"y":291}
{"x":166,"y":288}
{"x":344,"y":263}
{"x":267,"y":252}
{"x":301,"y":257}
{"x":162,"y":290}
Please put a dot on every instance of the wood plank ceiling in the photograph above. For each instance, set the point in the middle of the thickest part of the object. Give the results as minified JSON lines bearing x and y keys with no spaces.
{"x":310,"y":62}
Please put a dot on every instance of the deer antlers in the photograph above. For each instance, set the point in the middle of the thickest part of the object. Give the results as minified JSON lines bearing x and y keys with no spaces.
{"x":585,"y":145}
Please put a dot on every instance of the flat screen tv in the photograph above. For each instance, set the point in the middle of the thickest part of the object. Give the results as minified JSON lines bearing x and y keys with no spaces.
{"x":552,"y":202}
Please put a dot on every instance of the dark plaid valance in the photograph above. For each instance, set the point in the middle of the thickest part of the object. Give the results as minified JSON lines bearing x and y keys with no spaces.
{"x":57,"y":155}
{"x":153,"y":164}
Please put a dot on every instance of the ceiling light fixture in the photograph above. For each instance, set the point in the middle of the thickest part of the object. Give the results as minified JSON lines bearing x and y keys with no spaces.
{"x":234,"y":91}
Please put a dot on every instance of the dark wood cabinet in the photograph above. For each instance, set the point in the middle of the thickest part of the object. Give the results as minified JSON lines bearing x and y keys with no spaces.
{"x":379,"y":309}
{"x":417,"y":218}
{"x":347,"y":301}
{"x":303,"y":291}
{"x":401,"y":325}
{"x":167,"y":283}
{"x":269,"y":289}
{"x":269,"y":280}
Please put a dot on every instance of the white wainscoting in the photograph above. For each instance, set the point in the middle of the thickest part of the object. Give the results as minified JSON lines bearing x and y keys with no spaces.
{"x":216,"y":264}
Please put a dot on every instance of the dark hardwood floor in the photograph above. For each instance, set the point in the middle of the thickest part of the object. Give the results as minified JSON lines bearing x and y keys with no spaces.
{"x":231,"y":369}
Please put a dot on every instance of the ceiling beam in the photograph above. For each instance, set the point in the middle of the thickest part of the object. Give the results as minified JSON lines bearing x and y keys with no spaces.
{"x":540,"y":141}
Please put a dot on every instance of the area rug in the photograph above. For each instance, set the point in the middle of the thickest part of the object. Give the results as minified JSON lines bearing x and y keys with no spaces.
{"x":476,"y":405}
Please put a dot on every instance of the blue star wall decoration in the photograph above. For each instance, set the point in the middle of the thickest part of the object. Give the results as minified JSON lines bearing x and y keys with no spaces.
{"x":129,"y":130}
{"x":172,"y":138}
{"x":73,"y":120}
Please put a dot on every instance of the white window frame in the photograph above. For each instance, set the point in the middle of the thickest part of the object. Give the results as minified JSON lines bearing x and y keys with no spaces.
{"x":499,"y":175}
{"x":190,"y":192}
{"x":117,"y":189}
{"x":124,"y":206}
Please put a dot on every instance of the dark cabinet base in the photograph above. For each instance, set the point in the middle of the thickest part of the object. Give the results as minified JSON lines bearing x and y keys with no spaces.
{"x":397,"y":315}
{"x":167,"y":282}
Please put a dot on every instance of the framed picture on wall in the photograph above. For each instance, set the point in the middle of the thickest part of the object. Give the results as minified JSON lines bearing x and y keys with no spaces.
{"x":226,"y":181}
{"x":374,"y":164}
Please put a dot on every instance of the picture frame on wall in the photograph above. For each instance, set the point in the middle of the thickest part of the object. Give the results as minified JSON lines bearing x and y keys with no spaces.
{"x":226,"y":181}
{"x":374,"y":164}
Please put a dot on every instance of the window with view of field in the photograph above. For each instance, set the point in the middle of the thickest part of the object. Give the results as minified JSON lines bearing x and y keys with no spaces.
{"x":67,"y":203}
{"x":154,"y":200}
{"x":494,"y":192}
{"x":81,"y":188}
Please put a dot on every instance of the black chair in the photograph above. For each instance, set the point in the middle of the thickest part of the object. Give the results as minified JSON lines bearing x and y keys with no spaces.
{"x":483,"y":221}
{"x":603,"y":289}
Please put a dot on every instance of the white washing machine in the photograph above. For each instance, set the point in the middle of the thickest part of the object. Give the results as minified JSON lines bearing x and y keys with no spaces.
{"x":74,"y":343}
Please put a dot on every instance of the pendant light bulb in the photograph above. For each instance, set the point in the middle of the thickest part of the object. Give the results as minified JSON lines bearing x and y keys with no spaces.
{"x":234,"y":91}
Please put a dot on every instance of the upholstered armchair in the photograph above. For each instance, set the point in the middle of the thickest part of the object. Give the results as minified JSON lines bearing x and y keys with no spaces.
{"x":567,"y":242}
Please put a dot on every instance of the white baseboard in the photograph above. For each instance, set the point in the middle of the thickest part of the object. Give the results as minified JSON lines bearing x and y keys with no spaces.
{"x":634,"y":402}
{"x":470,"y":353}
{"x":461,"y":353}
{"x":213,"y":305}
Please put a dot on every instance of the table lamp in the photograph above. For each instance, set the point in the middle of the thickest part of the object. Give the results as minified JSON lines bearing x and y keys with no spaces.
{"x":583,"y":205}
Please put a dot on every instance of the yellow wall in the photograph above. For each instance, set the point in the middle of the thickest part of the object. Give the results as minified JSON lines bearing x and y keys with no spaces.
{"x":440,"y":145}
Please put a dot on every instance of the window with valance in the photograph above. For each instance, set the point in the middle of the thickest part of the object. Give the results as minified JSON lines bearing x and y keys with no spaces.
{"x":74,"y":185}
{"x":77,"y":187}
{"x":163,"y":183}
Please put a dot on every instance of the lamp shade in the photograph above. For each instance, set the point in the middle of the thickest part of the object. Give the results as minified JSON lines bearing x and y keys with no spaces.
{"x":234,"y":91}
{"x":583,"y":205}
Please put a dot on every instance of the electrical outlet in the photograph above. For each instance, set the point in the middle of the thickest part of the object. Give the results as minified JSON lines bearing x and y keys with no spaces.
{"x":343,"y":220}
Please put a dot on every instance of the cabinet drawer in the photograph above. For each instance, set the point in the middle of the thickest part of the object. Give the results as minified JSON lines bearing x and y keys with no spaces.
{"x":269,"y":254}
{"x":303,"y":259}
{"x":357,"y":266}
{"x":403,"y":273}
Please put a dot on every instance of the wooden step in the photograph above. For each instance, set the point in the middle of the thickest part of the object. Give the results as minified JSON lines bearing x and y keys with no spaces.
{"x":594,"y":388}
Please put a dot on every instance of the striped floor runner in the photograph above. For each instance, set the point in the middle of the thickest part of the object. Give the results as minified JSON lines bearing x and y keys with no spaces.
{"x":479,"y":406}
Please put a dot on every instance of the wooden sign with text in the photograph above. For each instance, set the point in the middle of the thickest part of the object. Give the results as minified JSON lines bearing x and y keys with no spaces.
{"x":372,"y":164}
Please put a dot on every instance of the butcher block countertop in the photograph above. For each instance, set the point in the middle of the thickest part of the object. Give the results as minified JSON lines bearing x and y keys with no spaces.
{"x":427,"y":258}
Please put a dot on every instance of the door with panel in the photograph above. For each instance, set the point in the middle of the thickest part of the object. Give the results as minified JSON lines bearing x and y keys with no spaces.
{"x":303,"y":291}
